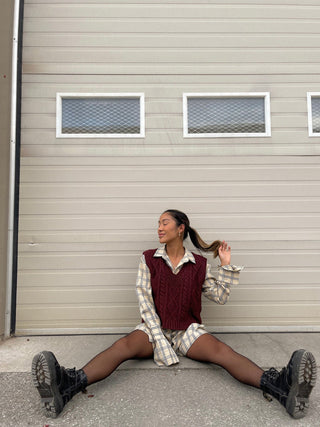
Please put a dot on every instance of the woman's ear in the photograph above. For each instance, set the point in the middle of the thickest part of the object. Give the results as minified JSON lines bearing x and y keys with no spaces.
{"x":181,"y":229}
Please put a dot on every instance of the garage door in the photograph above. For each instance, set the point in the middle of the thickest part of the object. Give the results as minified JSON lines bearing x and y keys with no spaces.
{"x":89,"y":205}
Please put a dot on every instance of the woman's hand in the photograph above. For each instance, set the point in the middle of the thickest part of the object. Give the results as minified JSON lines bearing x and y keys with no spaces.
{"x":225,"y":253}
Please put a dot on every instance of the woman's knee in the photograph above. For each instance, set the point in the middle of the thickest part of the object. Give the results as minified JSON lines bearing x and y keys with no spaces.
{"x":224,"y":349}
{"x":134,"y":345}
{"x":207,"y":348}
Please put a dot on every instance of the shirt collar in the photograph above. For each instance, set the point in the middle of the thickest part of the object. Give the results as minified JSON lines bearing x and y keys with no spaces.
{"x":188,"y":256}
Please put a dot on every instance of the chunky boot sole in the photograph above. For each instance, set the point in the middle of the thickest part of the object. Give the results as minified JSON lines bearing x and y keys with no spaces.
{"x":304,"y":375}
{"x":45,"y":380}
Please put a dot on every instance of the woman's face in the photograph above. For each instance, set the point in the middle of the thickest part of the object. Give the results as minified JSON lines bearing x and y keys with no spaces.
{"x":168,"y":231}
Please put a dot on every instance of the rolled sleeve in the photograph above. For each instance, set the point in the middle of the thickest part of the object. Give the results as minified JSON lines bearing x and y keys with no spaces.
{"x":218,"y":289}
{"x":229,"y":274}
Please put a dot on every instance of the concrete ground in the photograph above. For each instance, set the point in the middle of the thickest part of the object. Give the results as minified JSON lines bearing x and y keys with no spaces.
{"x":139,"y":394}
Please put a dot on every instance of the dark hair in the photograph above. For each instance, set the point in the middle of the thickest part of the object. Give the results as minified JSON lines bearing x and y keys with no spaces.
{"x":181,"y":218}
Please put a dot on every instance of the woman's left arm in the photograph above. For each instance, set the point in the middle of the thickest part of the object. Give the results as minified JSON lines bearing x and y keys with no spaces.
{"x":163,"y":352}
{"x":218,"y":290}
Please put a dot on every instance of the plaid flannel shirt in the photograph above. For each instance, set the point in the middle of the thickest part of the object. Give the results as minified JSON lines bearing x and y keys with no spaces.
{"x":217,"y":290}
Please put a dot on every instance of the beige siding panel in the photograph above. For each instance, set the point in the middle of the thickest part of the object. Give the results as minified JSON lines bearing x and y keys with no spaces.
{"x":53,"y":281}
{"x":167,"y":174}
{"x":229,"y":68}
{"x":138,"y":222}
{"x":172,"y":11}
{"x":231,"y":314}
{"x":277,"y":161}
{"x":294,"y":3}
{"x":164,"y":55}
{"x":108,"y":246}
{"x":104,"y":207}
{"x":83,"y":313}
{"x":256,"y":41}
{"x":126,"y":295}
{"x":121,"y":240}
{"x":84,"y":296}
{"x":278,"y":314}
{"x":153,"y":81}
{"x":122,"y":279}
{"x":89,"y":207}
{"x":154,"y":25}
{"x":93,"y":260}
{"x":187,"y":190}
{"x":174,"y":149}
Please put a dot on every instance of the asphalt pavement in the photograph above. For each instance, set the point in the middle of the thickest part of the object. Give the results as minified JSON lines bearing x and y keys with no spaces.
{"x":140,"y":394}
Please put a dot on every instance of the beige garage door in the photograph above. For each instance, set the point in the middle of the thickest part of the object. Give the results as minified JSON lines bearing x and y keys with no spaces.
{"x":90,"y":206}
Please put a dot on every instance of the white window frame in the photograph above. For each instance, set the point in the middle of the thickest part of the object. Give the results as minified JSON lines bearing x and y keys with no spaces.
{"x":309,"y":102}
{"x":265,"y":95}
{"x":64,"y":95}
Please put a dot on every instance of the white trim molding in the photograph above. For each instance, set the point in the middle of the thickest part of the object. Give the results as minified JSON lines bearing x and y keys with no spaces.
{"x":12,"y":168}
{"x":211,"y":329}
{"x":267,"y":113}
{"x":311,"y":95}
{"x":60,"y":96}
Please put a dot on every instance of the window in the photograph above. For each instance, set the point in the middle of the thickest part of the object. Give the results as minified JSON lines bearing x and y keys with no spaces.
{"x":112,"y":115}
{"x":314,"y":113}
{"x":217,"y":115}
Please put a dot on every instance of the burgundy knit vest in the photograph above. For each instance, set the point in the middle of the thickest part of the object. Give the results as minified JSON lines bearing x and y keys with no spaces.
{"x":177,"y":297}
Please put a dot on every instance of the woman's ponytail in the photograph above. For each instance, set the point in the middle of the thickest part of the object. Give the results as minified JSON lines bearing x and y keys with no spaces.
{"x":200,"y":244}
{"x":181,"y":218}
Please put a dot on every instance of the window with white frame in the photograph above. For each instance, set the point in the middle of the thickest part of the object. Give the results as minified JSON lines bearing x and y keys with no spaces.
{"x":100,"y":115}
{"x":314,"y":113}
{"x":217,"y":115}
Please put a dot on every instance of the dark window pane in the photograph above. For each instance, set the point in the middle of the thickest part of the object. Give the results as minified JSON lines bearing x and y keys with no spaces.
{"x":315,"y":102}
{"x":226,"y":115}
{"x":101,"y":116}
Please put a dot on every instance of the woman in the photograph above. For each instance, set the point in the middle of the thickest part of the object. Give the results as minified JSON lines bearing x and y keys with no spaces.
{"x":169,"y":285}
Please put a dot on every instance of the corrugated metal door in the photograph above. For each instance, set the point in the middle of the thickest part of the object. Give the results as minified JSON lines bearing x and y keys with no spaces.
{"x":89,"y":207}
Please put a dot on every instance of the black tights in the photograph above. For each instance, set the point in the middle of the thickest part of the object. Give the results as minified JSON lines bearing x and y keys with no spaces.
{"x":134,"y":346}
{"x":206,"y":348}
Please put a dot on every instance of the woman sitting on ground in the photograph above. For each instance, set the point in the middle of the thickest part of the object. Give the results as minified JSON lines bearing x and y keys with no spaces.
{"x":169,"y":286}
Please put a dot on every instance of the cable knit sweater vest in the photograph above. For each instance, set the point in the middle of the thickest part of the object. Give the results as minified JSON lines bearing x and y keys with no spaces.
{"x":177,"y":297}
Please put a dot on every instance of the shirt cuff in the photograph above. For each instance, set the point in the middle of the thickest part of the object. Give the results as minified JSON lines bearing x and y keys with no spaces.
{"x":229,"y":274}
{"x":163,"y":353}
{"x":231,"y":267}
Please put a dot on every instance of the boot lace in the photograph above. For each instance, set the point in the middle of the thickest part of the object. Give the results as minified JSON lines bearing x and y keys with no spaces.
{"x":272,"y":374}
{"x":72,"y":383}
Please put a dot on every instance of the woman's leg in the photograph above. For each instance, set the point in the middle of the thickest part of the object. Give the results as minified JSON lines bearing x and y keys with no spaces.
{"x":291,"y":386}
{"x":57,"y":385}
{"x":207,"y":348}
{"x":133,"y":346}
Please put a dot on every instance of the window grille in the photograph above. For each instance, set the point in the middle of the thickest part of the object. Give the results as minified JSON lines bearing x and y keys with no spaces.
{"x":314,"y":113}
{"x":100,"y":115}
{"x":226,"y":115}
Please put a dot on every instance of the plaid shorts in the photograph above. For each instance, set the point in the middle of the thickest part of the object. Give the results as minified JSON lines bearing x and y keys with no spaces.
{"x":180,"y":341}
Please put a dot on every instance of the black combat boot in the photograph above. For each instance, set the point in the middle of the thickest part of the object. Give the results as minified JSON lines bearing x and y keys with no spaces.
{"x":55,"y":384}
{"x":293,"y":384}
